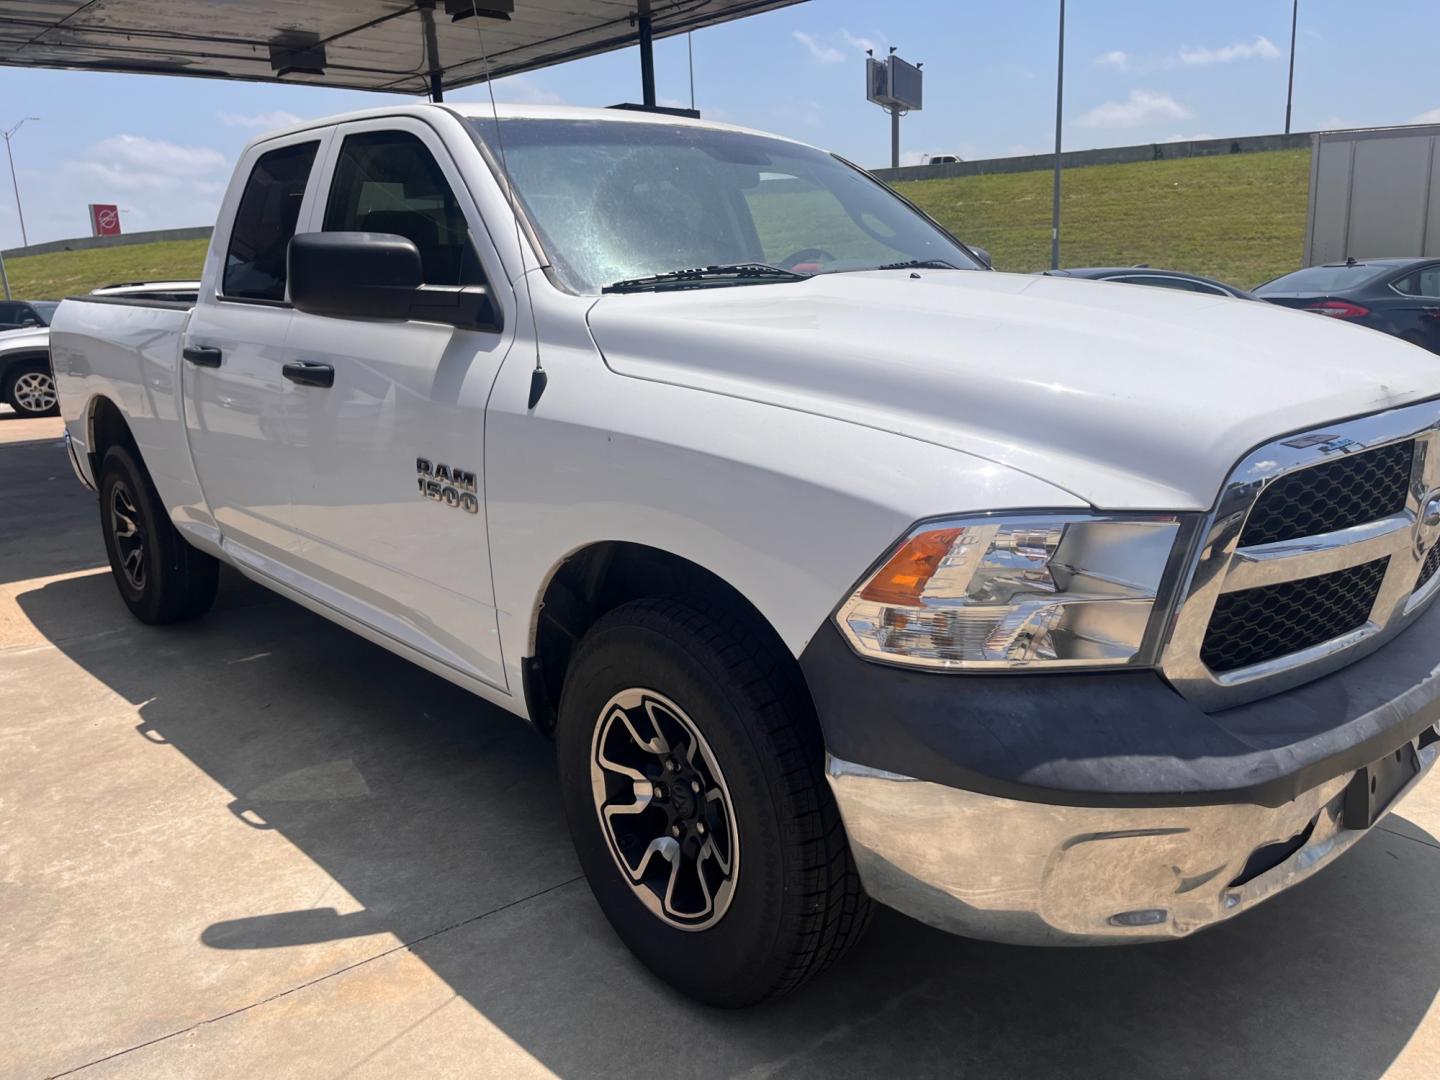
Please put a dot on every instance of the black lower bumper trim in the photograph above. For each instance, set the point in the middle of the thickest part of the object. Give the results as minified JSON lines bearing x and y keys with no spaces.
{"x":1121,"y":738}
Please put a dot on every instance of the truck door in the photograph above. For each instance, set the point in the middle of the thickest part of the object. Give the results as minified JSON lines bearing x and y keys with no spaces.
{"x":388,"y":484}
{"x":237,"y":405}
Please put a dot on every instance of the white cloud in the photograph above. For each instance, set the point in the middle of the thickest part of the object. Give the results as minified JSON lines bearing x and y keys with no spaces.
{"x":863,"y":44}
{"x":1430,"y":116}
{"x":136,"y":151}
{"x":1197,"y":137}
{"x":819,"y":51}
{"x":523,"y":91}
{"x":912,"y":157}
{"x":135,"y":163}
{"x":1140,"y":108}
{"x":264,"y":121}
{"x":1262,"y":48}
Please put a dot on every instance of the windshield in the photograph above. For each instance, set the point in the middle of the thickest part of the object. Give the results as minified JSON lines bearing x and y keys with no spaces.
{"x":614,"y":200}
{"x":1323,"y":279}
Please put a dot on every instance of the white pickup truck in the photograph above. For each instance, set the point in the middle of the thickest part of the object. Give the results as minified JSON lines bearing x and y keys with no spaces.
{"x":840,"y":568}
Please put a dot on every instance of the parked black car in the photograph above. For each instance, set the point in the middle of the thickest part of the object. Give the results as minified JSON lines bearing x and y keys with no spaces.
{"x":17,"y":314}
{"x":1397,"y":296}
{"x":1146,"y":275}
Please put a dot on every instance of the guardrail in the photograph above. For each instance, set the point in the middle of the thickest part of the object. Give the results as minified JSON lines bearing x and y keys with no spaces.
{"x":88,"y":243}
{"x":1110,"y":155}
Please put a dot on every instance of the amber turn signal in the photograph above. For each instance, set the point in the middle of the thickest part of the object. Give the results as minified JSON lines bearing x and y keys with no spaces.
{"x":904,"y":576}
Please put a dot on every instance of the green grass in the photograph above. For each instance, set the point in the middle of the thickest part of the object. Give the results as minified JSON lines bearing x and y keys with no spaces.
{"x":69,"y":273}
{"x":1239,"y":218}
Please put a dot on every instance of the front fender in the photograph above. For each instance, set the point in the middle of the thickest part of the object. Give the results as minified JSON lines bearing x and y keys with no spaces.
{"x":787,"y":507}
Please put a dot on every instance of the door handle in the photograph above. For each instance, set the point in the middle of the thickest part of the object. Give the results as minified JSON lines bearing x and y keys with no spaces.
{"x":202,"y":355}
{"x":309,"y":373}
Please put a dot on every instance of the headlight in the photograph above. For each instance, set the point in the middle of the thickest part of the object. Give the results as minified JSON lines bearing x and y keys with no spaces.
{"x":1020,"y":590}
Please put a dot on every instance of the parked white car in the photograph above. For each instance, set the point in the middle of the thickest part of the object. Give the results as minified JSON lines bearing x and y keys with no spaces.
{"x":26,"y":382}
{"x":838,"y":567}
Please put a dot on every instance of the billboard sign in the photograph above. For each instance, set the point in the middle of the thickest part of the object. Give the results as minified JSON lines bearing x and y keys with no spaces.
{"x":906,"y":83}
{"x":894,"y":84}
{"x":104,"y":219}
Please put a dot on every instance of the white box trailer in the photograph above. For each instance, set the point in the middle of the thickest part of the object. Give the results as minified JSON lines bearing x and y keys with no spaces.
{"x":1374,"y":192}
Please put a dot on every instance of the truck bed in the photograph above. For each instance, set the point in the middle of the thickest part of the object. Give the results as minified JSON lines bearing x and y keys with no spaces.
{"x":127,"y":349}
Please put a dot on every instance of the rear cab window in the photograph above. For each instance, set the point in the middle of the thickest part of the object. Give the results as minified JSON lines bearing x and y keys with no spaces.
{"x":1323,"y":280}
{"x":264,"y":223}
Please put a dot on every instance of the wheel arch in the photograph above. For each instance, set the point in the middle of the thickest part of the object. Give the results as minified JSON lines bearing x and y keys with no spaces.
{"x":10,"y":361}
{"x":106,"y":426}
{"x":598,"y":577}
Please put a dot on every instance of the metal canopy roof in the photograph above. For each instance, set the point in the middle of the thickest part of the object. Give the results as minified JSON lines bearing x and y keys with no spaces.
{"x":385,"y":45}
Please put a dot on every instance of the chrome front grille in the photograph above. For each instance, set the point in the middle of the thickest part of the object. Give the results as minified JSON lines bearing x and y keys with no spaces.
{"x":1337,"y":494}
{"x":1322,"y":546}
{"x":1255,"y":625}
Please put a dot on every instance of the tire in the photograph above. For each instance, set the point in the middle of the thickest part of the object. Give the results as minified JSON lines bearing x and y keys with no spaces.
{"x":30,"y":389}
{"x":161,"y":578}
{"x":789,"y":903}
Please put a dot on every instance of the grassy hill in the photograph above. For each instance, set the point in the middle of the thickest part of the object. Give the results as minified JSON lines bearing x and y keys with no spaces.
{"x":68,"y":273}
{"x":1240,"y":218}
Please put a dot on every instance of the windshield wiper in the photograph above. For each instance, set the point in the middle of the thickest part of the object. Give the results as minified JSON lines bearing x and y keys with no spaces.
{"x":707,"y":277}
{"x":920,"y":264}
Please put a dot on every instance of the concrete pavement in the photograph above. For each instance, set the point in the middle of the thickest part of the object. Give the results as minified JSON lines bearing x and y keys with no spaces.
{"x":256,"y":845}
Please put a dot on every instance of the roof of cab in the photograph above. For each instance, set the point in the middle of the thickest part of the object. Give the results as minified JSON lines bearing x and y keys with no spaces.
{"x":477,"y":110}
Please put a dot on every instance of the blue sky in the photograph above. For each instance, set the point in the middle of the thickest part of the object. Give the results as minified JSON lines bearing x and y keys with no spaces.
{"x":1137,"y":71}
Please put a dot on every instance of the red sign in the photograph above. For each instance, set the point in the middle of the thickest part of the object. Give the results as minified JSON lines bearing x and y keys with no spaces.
{"x":104,"y":219}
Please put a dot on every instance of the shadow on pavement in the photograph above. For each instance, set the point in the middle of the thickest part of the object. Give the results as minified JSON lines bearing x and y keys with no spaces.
{"x":49,"y":521}
{"x":430,"y":807}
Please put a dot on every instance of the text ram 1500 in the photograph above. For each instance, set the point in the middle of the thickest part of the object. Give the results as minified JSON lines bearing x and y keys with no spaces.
{"x":838,"y":568}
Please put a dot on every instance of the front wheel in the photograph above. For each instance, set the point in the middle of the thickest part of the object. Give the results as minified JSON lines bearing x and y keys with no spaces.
{"x":30,"y":389}
{"x":691,"y":768}
{"x":161,"y":578}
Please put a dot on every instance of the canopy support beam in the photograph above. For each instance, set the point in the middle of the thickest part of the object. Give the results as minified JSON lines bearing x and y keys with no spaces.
{"x":647,"y":61}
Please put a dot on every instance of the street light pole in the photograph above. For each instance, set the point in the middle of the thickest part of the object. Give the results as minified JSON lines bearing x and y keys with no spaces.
{"x":1059,"y":115}
{"x":14,"y":181}
{"x":1290,"y":89}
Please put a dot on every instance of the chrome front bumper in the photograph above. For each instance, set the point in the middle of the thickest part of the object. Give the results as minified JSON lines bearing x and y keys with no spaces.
{"x":1038,"y":874}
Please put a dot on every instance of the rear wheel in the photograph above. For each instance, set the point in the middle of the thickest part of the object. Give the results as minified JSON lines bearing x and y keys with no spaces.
{"x":30,"y":389}
{"x":691,"y":768}
{"x":161,"y":578}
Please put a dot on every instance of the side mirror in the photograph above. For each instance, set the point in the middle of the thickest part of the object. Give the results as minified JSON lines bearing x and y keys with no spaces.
{"x":360,"y":275}
{"x":983,"y":255}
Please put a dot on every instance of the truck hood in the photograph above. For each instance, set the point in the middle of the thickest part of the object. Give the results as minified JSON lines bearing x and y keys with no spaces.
{"x":1125,"y":396}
